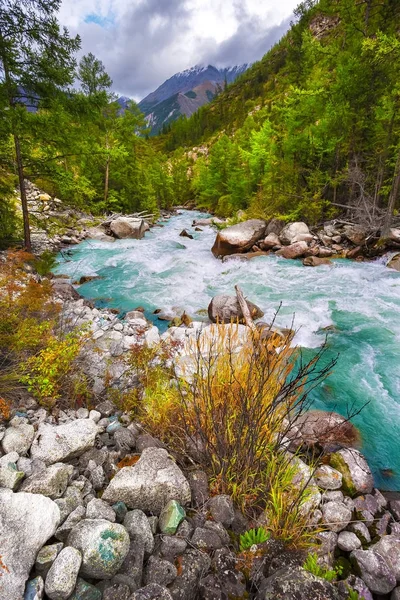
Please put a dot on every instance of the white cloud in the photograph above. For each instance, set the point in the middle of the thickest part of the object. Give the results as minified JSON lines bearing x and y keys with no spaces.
{"x":143,"y":42}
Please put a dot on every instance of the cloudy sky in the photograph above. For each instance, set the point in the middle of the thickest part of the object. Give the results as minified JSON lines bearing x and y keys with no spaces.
{"x":143,"y":42}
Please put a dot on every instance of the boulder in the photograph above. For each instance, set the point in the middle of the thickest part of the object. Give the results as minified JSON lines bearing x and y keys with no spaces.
{"x":18,"y":437}
{"x":289,"y":233}
{"x":295,"y":583}
{"x":374,"y":571}
{"x":389,"y":547}
{"x":51,"y":482}
{"x":57,"y":443}
{"x":27,"y":521}
{"x":150,"y":483}
{"x":62,"y":576}
{"x":348,"y":541}
{"x":34,"y":589}
{"x":64,"y":290}
{"x":98,"y":509}
{"x":137,"y":525}
{"x":153,"y":591}
{"x":192,"y":566}
{"x":103,"y":546}
{"x":224,"y":309}
{"x":295,"y":250}
{"x":186,"y":234}
{"x":170,"y":517}
{"x":355,"y":234}
{"x":328,"y":478}
{"x":45,"y":558}
{"x":128,"y":227}
{"x":357,"y":476}
{"x":271,"y":241}
{"x":239,"y":238}
{"x":320,"y":427}
{"x":394,"y":263}
{"x":394,"y":235}
{"x":336,"y":516}
{"x":98,"y":233}
{"x":315,"y":261}
{"x":222,"y":509}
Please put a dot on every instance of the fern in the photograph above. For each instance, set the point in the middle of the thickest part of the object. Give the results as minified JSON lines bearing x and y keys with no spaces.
{"x":252,"y":537}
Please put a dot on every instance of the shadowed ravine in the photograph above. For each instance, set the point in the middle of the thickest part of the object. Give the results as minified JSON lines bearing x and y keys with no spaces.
{"x":357,"y":303}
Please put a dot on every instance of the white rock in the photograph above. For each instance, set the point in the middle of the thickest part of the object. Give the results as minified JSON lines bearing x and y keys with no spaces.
{"x":27,"y":521}
{"x":150,"y":483}
{"x":62,"y":576}
{"x":57,"y":443}
{"x":51,"y":482}
{"x":18,"y":438}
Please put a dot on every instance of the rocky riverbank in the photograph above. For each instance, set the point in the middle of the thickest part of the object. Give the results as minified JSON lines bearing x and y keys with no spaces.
{"x":92,"y":507}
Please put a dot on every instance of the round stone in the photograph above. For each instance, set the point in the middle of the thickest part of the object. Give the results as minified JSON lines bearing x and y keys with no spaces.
{"x":62,"y":576}
{"x":103,"y":545}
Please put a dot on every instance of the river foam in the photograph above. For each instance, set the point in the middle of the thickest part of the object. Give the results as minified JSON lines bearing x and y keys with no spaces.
{"x":359,"y":303}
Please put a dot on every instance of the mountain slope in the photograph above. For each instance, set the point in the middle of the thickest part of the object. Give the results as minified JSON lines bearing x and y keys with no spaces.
{"x":172,"y":99}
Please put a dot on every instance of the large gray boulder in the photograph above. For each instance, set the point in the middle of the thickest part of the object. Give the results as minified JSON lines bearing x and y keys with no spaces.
{"x":374,"y":571}
{"x":389,"y":547}
{"x":57,"y":443}
{"x":239,"y":238}
{"x":323,"y":427}
{"x":27,"y":521}
{"x":62,"y":576}
{"x":292,"y":231}
{"x":137,"y":525}
{"x":150,"y":483}
{"x":103,"y":545}
{"x":51,"y":482}
{"x":294,"y":583}
{"x":357,"y":476}
{"x":128,"y":227}
{"x":224,"y":309}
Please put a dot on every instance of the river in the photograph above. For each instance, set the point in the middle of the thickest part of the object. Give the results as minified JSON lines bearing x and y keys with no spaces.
{"x":358,"y":303}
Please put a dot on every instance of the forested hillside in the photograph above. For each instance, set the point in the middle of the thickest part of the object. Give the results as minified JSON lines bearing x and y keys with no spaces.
{"x":313,"y":127}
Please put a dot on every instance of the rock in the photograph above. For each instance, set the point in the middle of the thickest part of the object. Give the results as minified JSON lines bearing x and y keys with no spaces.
{"x":62,"y":576}
{"x":170,"y":517}
{"x":10,"y":477}
{"x":374,"y":571}
{"x":193,"y":565}
{"x":18,"y":438}
{"x":98,"y":509}
{"x":186,"y":234}
{"x":127,"y":227}
{"x":137,"y":525}
{"x":321,"y":427}
{"x":103,"y":546}
{"x":51,"y":482}
{"x":198,"y":481}
{"x":222,"y":509}
{"x":150,"y":483}
{"x":224,"y":309}
{"x":27,"y":521}
{"x":57,"y":443}
{"x":34,"y":589}
{"x":72,"y":521}
{"x":357,"y":476}
{"x":85,"y":591}
{"x":355,"y":233}
{"x":389,"y":548}
{"x":395,"y":595}
{"x":160,"y":571}
{"x":361,"y":531}
{"x":315,"y":261}
{"x":153,"y":591}
{"x":205,"y":539}
{"x":64,"y":290}
{"x":348,"y":541}
{"x":45,"y":558}
{"x":238,"y":238}
{"x":394,"y":263}
{"x":117,"y":592}
{"x":328,"y":478}
{"x":336,"y":516}
{"x":294,"y":583}
{"x":271,"y":241}
{"x":294,"y":250}
{"x":394,"y":506}
{"x":290,"y":232}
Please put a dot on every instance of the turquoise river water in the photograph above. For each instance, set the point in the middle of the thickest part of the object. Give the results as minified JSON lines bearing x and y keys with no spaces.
{"x":358,"y":302}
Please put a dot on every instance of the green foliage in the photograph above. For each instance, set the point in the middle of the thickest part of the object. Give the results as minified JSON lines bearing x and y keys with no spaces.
{"x":45,"y":263}
{"x":311,"y":564}
{"x":252,"y":537}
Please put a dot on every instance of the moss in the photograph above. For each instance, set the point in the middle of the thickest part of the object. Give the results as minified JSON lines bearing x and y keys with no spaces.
{"x":338,"y":463}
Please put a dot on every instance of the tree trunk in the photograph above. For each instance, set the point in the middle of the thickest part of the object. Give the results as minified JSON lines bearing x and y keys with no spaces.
{"x":24,"y":201}
{"x":106,"y":180}
{"x":394,"y":192}
{"x":245,"y":309}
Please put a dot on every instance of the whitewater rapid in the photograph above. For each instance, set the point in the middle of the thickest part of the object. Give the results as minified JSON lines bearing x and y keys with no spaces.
{"x":358,"y":303}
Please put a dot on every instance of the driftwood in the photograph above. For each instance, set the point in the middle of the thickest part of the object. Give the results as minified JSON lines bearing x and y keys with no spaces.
{"x":245,"y":309}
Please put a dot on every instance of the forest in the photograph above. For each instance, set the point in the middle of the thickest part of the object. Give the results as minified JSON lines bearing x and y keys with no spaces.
{"x":309,"y":132}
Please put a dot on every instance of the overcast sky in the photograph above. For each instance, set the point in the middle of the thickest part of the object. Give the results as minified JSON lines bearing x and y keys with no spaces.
{"x":143,"y":42}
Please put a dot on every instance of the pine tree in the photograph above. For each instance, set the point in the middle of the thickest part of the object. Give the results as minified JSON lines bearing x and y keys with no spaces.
{"x":36,"y":64}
